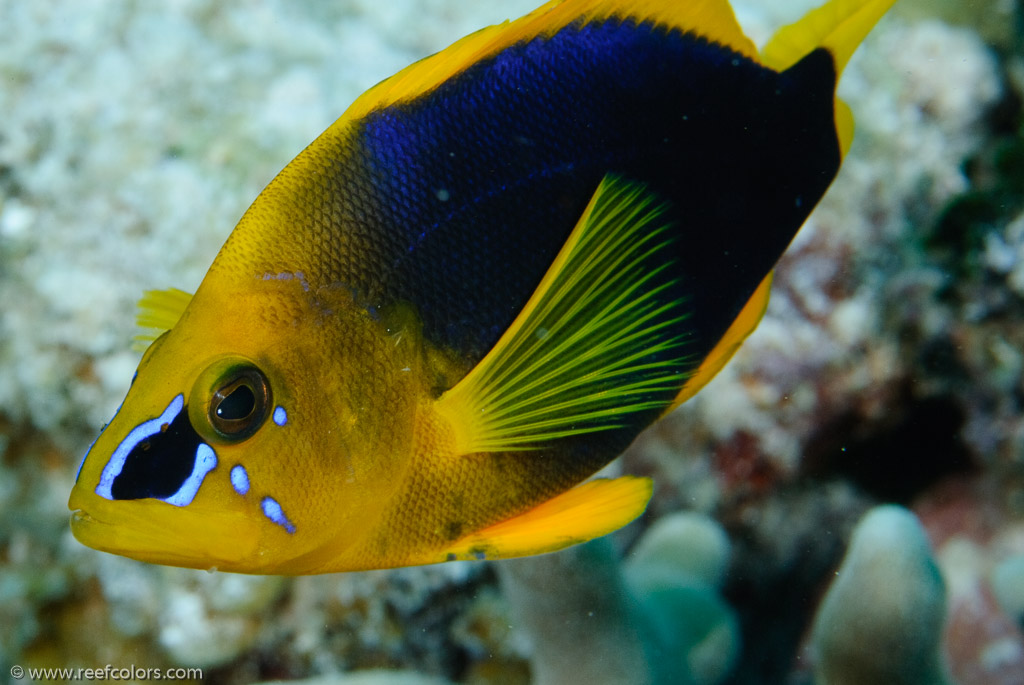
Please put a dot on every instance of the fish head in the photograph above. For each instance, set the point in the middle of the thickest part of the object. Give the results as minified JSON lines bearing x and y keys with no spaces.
{"x":266,"y":428}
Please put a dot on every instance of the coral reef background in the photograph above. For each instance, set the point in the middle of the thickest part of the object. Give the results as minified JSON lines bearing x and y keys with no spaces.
{"x":887,"y":370}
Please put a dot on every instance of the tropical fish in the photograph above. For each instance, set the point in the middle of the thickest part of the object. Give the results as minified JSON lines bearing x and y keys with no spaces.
{"x":472,"y":292}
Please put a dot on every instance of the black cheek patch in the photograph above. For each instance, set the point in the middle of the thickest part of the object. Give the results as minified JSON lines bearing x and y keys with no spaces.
{"x":163,"y":458}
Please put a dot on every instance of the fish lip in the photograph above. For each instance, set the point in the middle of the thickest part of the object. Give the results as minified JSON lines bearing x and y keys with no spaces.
{"x":140,"y":529}
{"x":80,"y":519}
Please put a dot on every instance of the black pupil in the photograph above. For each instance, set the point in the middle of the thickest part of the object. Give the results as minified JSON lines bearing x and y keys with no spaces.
{"x":237,"y":405}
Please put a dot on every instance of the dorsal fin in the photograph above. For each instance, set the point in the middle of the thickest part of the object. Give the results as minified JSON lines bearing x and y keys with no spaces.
{"x":158,"y":311}
{"x":600,"y":339}
{"x":711,"y":19}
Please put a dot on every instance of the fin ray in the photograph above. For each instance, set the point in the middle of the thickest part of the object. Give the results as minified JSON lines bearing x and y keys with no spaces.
{"x":158,"y":311}
{"x":595,"y":343}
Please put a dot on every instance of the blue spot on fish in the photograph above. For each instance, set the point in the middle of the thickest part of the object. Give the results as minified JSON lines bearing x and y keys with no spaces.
{"x":273,"y":511}
{"x":144,"y":430}
{"x":280,"y":415}
{"x":206,"y":461}
{"x":239,"y":479}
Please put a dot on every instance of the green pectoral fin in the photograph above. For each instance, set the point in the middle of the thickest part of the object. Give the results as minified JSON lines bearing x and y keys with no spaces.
{"x":158,"y":311}
{"x":599,"y":343}
{"x":588,"y":511}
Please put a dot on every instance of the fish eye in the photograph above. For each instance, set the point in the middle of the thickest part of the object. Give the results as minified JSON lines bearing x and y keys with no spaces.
{"x":233,"y":404}
{"x":239,"y":402}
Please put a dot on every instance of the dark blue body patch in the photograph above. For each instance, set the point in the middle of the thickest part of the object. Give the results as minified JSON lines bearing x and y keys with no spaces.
{"x":471,"y":189}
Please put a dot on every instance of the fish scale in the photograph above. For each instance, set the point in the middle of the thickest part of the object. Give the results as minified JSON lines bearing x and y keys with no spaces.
{"x":472,"y":292}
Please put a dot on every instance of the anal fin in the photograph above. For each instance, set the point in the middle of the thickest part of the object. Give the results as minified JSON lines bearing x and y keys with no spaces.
{"x":590,"y":510}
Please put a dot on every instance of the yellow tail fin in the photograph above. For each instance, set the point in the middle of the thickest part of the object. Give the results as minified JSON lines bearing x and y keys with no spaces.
{"x":838,"y":26}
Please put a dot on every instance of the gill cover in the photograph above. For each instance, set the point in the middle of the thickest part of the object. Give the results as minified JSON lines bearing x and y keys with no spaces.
{"x":472,"y":292}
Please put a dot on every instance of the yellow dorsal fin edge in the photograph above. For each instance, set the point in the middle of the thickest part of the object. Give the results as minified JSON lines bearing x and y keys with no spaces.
{"x":590,"y":510}
{"x":712,"y":19}
{"x":600,"y":339}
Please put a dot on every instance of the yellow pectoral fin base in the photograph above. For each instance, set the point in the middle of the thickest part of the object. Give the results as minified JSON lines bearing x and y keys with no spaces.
{"x":159,"y":311}
{"x":599,"y":342}
{"x":588,"y":511}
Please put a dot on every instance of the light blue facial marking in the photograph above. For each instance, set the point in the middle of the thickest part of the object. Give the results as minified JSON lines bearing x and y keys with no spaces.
{"x":145,"y":429}
{"x":206,"y":461}
{"x":239,"y":479}
{"x":273,"y":511}
{"x":280,"y":415}
{"x":78,"y":474}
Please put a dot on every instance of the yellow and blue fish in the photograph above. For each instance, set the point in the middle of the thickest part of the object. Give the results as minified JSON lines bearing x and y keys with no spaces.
{"x":472,"y":292}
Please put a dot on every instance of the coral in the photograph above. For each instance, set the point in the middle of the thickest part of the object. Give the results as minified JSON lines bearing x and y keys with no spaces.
{"x":882,"y":619}
{"x":657,"y":618}
{"x":996,"y":22}
{"x":582,"y":621}
{"x":368,"y":677}
{"x":887,"y":364}
{"x":1008,"y":587}
{"x":973,"y":538}
{"x":675,"y":571}
{"x":133,"y":137}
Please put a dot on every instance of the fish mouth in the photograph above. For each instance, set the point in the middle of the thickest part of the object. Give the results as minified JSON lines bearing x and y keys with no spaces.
{"x":157,"y":532}
{"x":80,"y":517}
